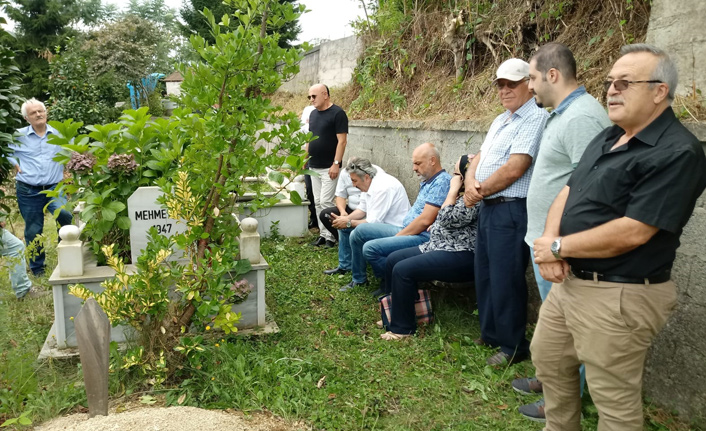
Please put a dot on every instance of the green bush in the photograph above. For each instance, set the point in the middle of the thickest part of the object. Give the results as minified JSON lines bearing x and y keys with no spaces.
{"x":154,"y":102}
{"x":74,"y":94}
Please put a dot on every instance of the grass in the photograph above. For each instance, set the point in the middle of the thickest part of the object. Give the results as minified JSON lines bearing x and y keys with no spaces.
{"x":326,"y":366}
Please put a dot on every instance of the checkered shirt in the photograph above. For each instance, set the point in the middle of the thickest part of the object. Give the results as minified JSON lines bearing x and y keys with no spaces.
{"x":512,"y":133}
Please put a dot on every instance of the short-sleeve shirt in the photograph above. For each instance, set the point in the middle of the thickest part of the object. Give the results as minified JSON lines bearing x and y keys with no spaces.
{"x":325,"y":125}
{"x":512,"y":133}
{"x":433,"y":192}
{"x":655,"y":178}
{"x":570,"y":128}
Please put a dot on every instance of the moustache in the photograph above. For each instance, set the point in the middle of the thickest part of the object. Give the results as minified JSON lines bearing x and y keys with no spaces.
{"x":615,"y":99}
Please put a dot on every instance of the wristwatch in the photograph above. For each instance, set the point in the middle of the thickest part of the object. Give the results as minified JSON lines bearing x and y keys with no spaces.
{"x":348,"y":225}
{"x":336,"y":162}
{"x":555,"y":248}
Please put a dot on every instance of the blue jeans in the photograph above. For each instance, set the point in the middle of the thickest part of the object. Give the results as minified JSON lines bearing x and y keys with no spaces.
{"x":12,"y":248}
{"x":380,"y":241}
{"x":344,"y":248}
{"x":32,"y":201}
{"x":544,"y":288}
{"x":362,"y":234}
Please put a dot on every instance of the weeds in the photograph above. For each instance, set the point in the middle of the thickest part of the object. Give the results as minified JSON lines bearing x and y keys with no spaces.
{"x":327,"y":365}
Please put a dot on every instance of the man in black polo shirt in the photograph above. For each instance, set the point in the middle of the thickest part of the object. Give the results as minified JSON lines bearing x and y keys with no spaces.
{"x":609,"y":243}
{"x":329,"y":125}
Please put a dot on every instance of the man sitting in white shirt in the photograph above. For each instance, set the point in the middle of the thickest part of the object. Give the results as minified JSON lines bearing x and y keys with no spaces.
{"x":347,"y":200}
{"x":384,"y":200}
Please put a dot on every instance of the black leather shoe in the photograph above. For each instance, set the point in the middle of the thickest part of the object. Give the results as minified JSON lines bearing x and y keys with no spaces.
{"x":336,"y":270}
{"x":330,"y":244}
{"x":351,"y":285}
{"x":319,"y":242}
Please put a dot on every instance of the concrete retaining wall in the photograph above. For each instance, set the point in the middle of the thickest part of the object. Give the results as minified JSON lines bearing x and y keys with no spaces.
{"x":678,"y":28}
{"x":675,"y":375}
{"x":331,"y":63}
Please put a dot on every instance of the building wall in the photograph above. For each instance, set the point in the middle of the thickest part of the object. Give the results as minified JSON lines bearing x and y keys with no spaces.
{"x":174,"y":89}
{"x":675,"y":376}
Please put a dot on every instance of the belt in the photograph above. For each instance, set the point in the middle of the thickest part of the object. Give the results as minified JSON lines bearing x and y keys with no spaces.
{"x":44,"y":187}
{"x":590,"y":275}
{"x":500,"y":200}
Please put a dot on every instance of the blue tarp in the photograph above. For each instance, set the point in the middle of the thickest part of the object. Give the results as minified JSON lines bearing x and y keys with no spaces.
{"x":148,"y":84}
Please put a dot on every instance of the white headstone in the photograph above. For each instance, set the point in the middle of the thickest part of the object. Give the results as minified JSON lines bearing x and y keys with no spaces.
{"x":145,"y":212}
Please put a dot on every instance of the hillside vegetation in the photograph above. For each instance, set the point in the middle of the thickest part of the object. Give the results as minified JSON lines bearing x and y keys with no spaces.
{"x":435,"y":59}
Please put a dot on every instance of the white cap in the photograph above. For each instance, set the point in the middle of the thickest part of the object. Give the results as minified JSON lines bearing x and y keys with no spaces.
{"x":513,"y":69}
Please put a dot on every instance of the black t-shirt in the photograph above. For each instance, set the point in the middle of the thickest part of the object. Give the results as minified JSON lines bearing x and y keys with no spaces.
{"x":655,"y":178}
{"x":325,"y":124}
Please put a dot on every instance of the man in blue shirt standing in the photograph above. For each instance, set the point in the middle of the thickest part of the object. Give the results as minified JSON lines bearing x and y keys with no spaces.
{"x":377,"y":240}
{"x":37,"y":172}
{"x":499,"y":177}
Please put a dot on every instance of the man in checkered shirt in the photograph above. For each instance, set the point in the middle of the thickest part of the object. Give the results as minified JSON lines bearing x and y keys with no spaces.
{"x":499,"y":177}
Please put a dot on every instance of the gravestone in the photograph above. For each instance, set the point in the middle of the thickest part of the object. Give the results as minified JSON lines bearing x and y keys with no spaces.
{"x":145,"y":212}
{"x":93,"y":338}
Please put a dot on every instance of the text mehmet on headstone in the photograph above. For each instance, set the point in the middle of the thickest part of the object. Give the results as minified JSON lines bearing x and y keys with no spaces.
{"x":145,"y":212}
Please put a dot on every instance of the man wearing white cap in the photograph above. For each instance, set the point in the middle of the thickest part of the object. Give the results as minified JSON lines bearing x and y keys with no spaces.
{"x":499,"y":178}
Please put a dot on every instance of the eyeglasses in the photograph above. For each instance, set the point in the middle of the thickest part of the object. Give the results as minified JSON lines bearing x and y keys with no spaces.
{"x":509,"y":84}
{"x":623,"y":84}
{"x":311,"y":97}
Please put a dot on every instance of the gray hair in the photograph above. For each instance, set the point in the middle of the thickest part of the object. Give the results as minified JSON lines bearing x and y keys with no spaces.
{"x":28,"y":102}
{"x":361,"y":167}
{"x":435,"y":153}
{"x":666,"y":69}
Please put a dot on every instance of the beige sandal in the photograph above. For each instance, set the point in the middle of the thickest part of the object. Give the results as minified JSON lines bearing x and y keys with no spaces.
{"x":391,"y":336}
{"x":379,"y":324}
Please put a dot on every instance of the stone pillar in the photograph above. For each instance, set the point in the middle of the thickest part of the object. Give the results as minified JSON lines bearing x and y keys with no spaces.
{"x":678,"y":28}
{"x":70,"y":252}
{"x":249,"y":241}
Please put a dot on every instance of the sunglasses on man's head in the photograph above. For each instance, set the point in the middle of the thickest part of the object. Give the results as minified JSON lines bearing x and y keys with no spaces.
{"x":509,"y":84}
{"x":623,"y":84}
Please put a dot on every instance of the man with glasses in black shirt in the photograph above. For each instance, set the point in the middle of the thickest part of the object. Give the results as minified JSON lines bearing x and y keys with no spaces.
{"x":609,"y":244}
{"x":329,"y":125}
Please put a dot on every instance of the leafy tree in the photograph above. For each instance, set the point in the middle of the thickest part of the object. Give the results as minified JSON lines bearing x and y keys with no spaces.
{"x":171,"y":44}
{"x":216,"y":140}
{"x":127,"y":48}
{"x":41,"y":26}
{"x":74,"y":91}
{"x":197,"y":23}
{"x":10,"y":117}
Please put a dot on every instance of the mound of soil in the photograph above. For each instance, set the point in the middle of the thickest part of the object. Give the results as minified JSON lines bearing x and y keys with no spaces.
{"x":171,"y":419}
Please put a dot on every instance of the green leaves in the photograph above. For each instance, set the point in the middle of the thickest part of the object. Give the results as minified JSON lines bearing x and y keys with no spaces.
{"x":22,"y":419}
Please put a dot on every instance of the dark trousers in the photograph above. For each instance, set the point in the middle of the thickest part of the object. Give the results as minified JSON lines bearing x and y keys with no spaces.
{"x":32,"y":202}
{"x":327,"y":222}
{"x":310,"y":198}
{"x":404,"y":268}
{"x":500,"y":264}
